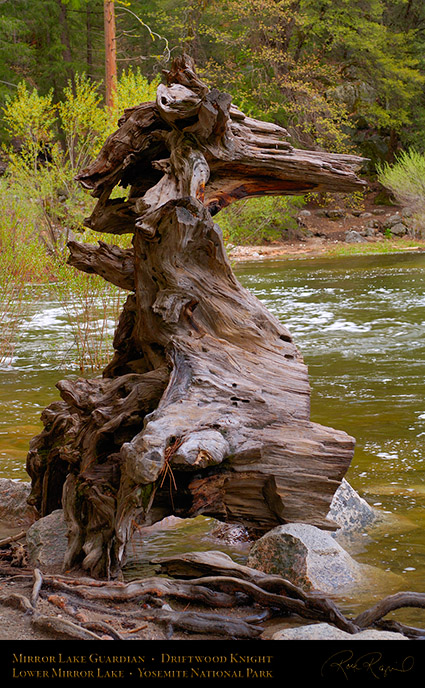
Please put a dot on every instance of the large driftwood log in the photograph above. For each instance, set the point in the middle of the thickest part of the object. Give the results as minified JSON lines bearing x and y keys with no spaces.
{"x":204,"y":408}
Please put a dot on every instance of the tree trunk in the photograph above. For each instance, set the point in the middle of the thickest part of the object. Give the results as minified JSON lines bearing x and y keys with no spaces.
{"x":110,"y":53}
{"x":204,"y":409}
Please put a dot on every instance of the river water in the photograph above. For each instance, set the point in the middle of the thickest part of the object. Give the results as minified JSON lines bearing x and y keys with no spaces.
{"x":359,"y":322}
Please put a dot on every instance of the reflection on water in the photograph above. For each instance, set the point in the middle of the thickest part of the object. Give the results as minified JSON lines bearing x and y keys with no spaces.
{"x":360,"y":325}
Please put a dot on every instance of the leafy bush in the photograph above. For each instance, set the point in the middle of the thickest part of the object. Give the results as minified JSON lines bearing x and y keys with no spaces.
{"x":30,"y":118}
{"x":133,"y":88}
{"x":56,"y":141}
{"x":41,"y":200}
{"x":83,"y":121}
{"x":254,"y":220}
{"x":406,"y":181}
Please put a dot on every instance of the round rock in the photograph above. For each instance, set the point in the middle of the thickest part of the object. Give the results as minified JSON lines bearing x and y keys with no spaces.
{"x":312,"y":559}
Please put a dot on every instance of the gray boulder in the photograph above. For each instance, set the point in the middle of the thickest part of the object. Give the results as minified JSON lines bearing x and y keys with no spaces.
{"x":312,"y":559}
{"x":399,"y":229}
{"x":353,"y":237}
{"x":14,"y":510}
{"x":47,"y":542}
{"x":393,"y":220}
{"x":324,"y":631}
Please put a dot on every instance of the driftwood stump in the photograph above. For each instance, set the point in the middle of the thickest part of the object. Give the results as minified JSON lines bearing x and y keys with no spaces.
{"x":204,"y":408}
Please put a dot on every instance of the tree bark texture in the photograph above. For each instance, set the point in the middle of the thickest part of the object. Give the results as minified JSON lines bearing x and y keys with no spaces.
{"x":110,"y":52}
{"x":204,"y":408}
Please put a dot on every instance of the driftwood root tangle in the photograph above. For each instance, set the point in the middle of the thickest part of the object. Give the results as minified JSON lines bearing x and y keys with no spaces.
{"x":204,"y":408}
{"x":254,"y":597}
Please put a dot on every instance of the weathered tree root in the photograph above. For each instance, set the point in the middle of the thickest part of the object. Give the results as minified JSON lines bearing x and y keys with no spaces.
{"x":12,"y":538}
{"x":267,"y":595}
{"x":397,"y":627}
{"x":389,"y":604}
{"x":63,"y":628}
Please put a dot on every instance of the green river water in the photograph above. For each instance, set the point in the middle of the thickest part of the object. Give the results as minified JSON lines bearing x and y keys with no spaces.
{"x":359,"y":322}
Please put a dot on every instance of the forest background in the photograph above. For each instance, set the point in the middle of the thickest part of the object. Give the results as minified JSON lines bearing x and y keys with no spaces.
{"x":347,"y":77}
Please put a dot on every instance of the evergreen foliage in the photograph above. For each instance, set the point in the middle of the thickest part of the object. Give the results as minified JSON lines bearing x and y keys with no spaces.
{"x":346,"y":75}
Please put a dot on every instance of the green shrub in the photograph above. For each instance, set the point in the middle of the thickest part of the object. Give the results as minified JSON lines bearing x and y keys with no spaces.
{"x":406,"y":181}
{"x":83,"y":120}
{"x":42,"y":201}
{"x":30,"y":117}
{"x":133,"y":88}
{"x":254,"y":220}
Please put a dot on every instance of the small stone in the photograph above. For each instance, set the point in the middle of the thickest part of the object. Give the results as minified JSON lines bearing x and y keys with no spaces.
{"x":304,"y":213}
{"x":364,"y":215}
{"x":336,"y":213}
{"x":374,"y":223}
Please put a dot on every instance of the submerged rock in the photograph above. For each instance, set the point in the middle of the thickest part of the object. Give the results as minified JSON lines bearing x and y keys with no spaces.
{"x":324,"y":631}
{"x":350,"y":511}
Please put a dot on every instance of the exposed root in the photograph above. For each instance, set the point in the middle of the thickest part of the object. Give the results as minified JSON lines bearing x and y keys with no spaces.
{"x":13,"y":538}
{"x":140,"y":603}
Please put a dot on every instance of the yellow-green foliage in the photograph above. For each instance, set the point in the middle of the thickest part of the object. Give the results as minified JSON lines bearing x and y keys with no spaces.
{"x":255,"y":220}
{"x":43,"y":207}
{"x":133,"y":88}
{"x":30,"y":117}
{"x":80,"y":116}
{"x":83,"y":120}
{"x":44,"y":170}
{"x":406,"y":179}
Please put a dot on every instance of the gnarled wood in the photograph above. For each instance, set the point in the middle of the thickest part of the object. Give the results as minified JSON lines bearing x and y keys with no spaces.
{"x":389,"y":604}
{"x":114,"y":264}
{"x":204,"y":408}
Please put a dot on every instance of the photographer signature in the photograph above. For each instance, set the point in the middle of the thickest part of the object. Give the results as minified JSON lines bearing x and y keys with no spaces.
{"x":346,"y":663}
